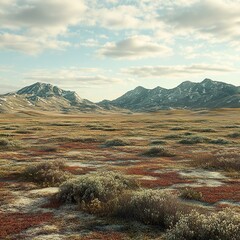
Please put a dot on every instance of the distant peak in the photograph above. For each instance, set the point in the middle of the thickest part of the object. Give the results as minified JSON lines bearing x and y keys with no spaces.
{"x":139,"y":88}
{"x":207,"y":80}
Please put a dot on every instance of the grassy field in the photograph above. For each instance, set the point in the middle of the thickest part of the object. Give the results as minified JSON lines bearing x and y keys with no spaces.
{"x":193,"y":156}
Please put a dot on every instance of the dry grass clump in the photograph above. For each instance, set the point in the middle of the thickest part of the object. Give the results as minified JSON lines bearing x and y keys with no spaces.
{"x":224,"y":160}
{"x":234,"y":135}
{"x":223,"y":225}
{"x":46,"y":174}
{"x":191,"y":194}
{"x":158,"y":152}
{"x":116,"y":142}
{"x":207,"y":130}
{"x":220,"y":141}
{"x":194,"y":140}
{"x":157,"y":142}
{"x":24,"y":131}
{"x":6,"y":144}
{"x":96,"y":192}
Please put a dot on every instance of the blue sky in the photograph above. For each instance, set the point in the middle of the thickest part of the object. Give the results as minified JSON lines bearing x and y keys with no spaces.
{"x":103,"y":48}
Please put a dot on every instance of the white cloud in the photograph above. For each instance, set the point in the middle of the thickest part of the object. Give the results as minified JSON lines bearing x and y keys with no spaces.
{"x":69,"y":76}
{"x":176,"y":71}
{"x":29,"y":45}
{"x":35,"y":25}
{"x":135,"y":47}
{"x":212,"y":20}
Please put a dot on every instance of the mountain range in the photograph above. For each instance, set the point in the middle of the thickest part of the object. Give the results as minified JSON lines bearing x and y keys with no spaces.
{"x":46,"y":97}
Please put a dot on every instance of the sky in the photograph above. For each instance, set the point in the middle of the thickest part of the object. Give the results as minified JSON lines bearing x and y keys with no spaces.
{"x":103,"y":48}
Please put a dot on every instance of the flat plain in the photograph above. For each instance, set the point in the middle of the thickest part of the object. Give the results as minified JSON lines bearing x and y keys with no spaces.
{"x":194,"y":155}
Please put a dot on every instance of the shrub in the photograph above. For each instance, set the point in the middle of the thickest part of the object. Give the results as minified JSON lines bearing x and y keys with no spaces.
{"x":116,"y":142}
{"x":158,"y":152}
{"x":157,"y":207}
{"x":46,"y":174}
{"x":191,"y":194}
{"x":224,"y":160}
{"x":208,"y":130}
{"x":95,"y":191}
{"x":234,"y":135}
{"x":157,"y":142}
{"x":8,"y":144}
{"x":178,"y":128}
{"x":173,"y":136}
{"x":219,"y":141}
{"x":224,"y":225}
{"x":194,"y":140}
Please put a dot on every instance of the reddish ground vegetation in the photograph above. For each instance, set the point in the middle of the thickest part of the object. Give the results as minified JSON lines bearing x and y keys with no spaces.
{"x":13,"y":223}
{"x":6,"y":196}
{"x":53,"y":203}
{"x":164,"y":180}
{"x":78,"y":170}
{"x":103,"y":236}
{"x":226,"y":192}
{"x":74,"y":145}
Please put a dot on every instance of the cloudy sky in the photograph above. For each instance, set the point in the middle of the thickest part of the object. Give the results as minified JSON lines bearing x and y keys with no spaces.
{"x":103,"y":48}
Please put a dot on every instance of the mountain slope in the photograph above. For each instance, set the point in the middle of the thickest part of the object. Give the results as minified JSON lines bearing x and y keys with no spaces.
{"x":45,"y":97}
{"x":207,"y":94}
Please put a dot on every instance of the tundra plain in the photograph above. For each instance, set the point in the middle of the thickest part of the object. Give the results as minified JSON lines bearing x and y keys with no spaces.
{"x":193,"y":155}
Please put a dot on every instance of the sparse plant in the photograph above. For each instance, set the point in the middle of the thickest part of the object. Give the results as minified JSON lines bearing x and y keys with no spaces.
{"x":116,"y":142}
{"x":234,"y":135}
{"x":46,"y":173}
{"x":157,"y":207}
{"x":158,"y":142}
{"x":191,"y":194}
{"x":194,"y":140}
{"x":6,"y":144}
{"x":158,"y":152}
{"x":224,"y":225}
{"x":220,"y":141}
{"x":95,"y":192}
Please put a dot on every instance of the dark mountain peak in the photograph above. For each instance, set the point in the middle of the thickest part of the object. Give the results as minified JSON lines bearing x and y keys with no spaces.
{"x":206,"y":94}
{"x":139,"y":88}
{"x":207,"y":80}
{"x":186,"y":84}
{"x":46,"y":90}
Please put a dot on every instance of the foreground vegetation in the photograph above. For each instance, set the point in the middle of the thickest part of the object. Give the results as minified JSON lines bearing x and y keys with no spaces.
{"x":168,"y":175}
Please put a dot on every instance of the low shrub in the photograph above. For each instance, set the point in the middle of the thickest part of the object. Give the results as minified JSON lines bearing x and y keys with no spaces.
{"x":221,"y":141}
{"x":158,"y":152}
{"x":24,"y":131}
{"x":46,"y":174}
{"x":94,"y":192}
{"x":8,"y":144}
{"x":223,"y":160}
{"x":194,"y":140}
{"x":207,"y":130}
{"x":173,"y":136}
{"x":191,"y":194}
{"x":178,"y":128}
{"x":116,"y":142}
{"x":224,"y":225}
{"x":234,"y":135}
{"x":156,"y":207}
{"x":157,"y":142}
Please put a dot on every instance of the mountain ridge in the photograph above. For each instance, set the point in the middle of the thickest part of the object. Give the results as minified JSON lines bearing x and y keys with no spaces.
{"x":191,"y":95}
